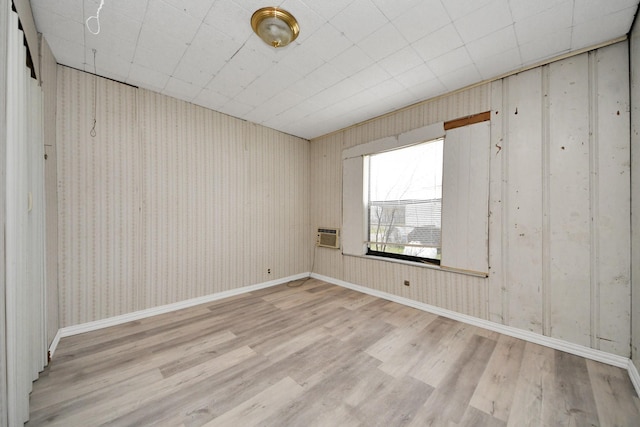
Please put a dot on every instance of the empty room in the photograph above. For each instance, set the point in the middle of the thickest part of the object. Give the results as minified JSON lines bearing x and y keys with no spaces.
{"x":320,"y":213}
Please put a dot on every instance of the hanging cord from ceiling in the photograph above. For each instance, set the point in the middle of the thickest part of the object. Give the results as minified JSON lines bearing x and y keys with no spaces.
{"x":97,"y":18}
{"x":298,"y":283}
{"x":95,"y":95}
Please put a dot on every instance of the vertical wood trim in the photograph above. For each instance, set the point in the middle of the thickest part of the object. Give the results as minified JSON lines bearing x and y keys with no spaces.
{"x":613,"y":223}
{"x":634,"y":50}
{"x":4,"y":27}
{"x":496,"y":208}
{"x":505,"y":201}
{"x":546,"y":209}
{"x":594,"y":200}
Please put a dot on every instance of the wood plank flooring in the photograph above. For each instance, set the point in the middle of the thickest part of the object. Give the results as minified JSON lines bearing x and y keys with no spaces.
{"x":321,"y":355}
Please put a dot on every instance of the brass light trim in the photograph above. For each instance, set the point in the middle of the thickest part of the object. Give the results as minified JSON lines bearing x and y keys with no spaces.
{"x":276,"y":27}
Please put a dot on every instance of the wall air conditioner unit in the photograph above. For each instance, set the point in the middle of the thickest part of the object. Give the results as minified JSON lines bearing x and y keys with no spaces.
{"x":328,"y":237}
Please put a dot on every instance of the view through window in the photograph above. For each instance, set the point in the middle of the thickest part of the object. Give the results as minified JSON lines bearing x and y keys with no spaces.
{"x":405,"y":202}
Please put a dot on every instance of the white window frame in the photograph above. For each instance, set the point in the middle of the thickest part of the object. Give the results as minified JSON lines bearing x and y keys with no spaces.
{"x":355,"y":187}
{"x":465,"y":194}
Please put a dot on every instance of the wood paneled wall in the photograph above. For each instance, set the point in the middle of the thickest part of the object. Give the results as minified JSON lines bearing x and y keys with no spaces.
{"x":4,"y":33}
{"x":635,"y":193}
{"x":559,"y":203}
{"x":170,"y":201}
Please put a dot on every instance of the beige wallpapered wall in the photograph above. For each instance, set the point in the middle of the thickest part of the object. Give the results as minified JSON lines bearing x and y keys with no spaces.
{"x":170,"y":201}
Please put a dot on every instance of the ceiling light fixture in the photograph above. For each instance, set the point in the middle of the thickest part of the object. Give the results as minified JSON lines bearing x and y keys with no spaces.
{"x":276,"y":27}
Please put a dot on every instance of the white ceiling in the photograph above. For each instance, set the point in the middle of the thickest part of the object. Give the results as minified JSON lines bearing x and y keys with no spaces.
{"x":353,"y":60}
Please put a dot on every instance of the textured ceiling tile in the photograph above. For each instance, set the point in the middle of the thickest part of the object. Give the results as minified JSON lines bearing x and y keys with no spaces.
{"x":493,"y":44}
{"x":557,"y":17}
{"x":392,"y":9}
{"x":590,"y":10}
{"x":308,"y":20}
{"x":326,"y":76}
{"x":181,"y":89}
{"x":461,"y":77}
{"x":232,"y":80}
{"x":401,"y":61}
{"x":196,"y":73}
{"x":112,"y":67}
{"x":348,"y":52}
{"x":601,"y":29}
{"x":306,"y":87}
{"x":163,"y":17}
{"x":109,"y":47}
{"x":257,"y":93}
{"x":438,"y":43}
{"x":344,"y":89}
{"x":252,"y":58}
{"x":159,"y":47}
{"x":211,"y":99}
{"x":327,"y":9}
{"x":486,"y":20}
{"x":72,"y":9}
{"x":400,"y":99}
{"x":279,"y":77}
{"x":450,"y":61}
{"x":387,"y":88}
{"x":67,"y":52}
{"x":236,"y":108}
{"x":135,"y":10}
{"x":421,"y":20}
{"x":147,"y":78}
{"x":59,"y":26}
{"x":493,"y":66}
{"x":118,"y":26}
{"x":417,"y":75}
{"x":211,"y":45}
{"x":327,"y":43}
{"x":459,"y":8}
{"x":231,"y":20}
{"x":302,"y":60}
{"x":351,"y":61}
{"x":195,"y":8}
{"x":371,"y":76}
{"x":538,"y":49}
{"x":358,"y":20}
{"x":524,"y":9}
{"x":429,"y":89}
{"x":383,"y":42}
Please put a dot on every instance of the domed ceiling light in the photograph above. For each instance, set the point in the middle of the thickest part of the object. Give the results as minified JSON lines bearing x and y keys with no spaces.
{"x":276,"y":27}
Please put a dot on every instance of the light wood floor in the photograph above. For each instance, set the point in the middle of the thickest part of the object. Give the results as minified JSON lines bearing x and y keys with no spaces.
{"x":321,"y":355}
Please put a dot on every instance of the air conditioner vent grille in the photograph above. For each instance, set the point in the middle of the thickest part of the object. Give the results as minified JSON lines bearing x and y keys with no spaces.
{"x":328,"y":237}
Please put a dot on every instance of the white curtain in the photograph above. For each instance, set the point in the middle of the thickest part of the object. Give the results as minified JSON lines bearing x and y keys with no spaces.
{"x":25,"y":316}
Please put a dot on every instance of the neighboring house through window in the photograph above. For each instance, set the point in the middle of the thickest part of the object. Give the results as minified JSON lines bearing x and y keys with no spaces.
{"x":405,"y":202}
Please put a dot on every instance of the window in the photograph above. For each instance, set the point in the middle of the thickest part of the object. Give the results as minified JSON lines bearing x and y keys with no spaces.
{"x":405,"y":202}
{"x":390,"y":209}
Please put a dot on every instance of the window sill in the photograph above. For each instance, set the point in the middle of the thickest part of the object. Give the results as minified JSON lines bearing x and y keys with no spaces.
{"x":422,"y":265}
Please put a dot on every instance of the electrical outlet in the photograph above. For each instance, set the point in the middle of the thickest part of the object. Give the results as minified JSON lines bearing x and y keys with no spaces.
{"x":407,"y":283}
{"x":268,"y":271}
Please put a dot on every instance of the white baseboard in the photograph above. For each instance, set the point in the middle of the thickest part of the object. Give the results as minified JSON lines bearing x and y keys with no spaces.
{"x":137,"y":315}
{"x":635,"y":376}
{"x":555,"y":343}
